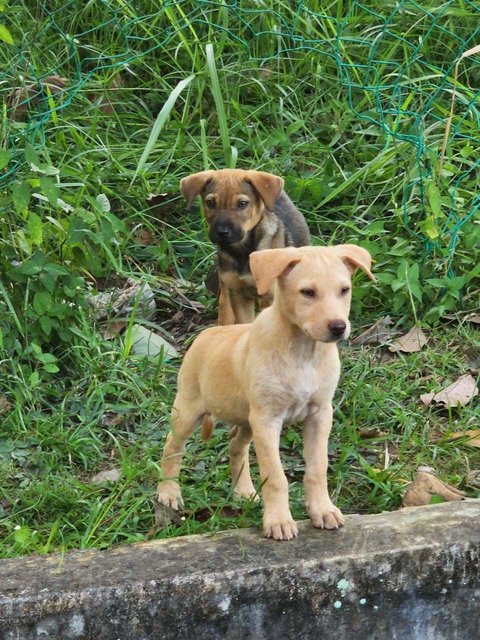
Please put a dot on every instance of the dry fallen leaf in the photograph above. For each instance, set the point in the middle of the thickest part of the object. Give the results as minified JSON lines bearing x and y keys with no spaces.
{"x":111,"y":419}
{"x":21,"y":98}
{"x":412,"y":341}
{"x":377,"y":333}
{"x":144,"y":236}
{"x":473,"y":478}
{"x":471,"y":436}
{"x":425,"y":485}
{"x":164,"y":516}
{"x":366,"y":434}
{"x":459,"y":392}
{"x":110,"y":475}
{"x":5,"y":405}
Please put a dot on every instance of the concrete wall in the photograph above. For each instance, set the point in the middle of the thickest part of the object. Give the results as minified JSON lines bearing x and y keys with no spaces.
{"x":413,"y":574}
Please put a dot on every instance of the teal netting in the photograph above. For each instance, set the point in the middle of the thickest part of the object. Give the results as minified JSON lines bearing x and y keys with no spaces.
{"x":395,"y":61}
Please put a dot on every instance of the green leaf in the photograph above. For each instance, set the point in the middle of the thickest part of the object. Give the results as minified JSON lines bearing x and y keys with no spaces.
{"x":47,"y":325}
{"x":78,"y":230}
{"x":434,"y":198}
{"x":429,"y":228}
{"x":31,"y":155}
{"x":49,"y":189}
{"x":5,"y":35}
{"x":48,"y":281}
{"x":51,"y":368}
{"x":5,"y":156}
{"x":35,"y":228}
{"x":103,"y":202}
{"x":42,"y":302}
{"x":34,"y":379}
{"x":22,"y":535}
{"x":20,"y":196}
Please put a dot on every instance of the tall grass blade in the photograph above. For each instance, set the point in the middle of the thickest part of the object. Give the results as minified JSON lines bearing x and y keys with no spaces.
{"x":160,"y":123}
{"x":217,"y":96}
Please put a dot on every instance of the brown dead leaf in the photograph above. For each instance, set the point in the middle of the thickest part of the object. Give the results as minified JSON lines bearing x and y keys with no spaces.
{"x":162,"y":204}
{"x":203,"y":515}
{"x":109,"y":475}
{"x":104,"y":98}
{"x":474,"y":318}
{"x":112,"y":329}
{"x":471,"y":437}
{"x":425,"y":485}
{"x":5,"y":405}
{"x":367,"y":434}
{"x":377,"y":333}
{"x":163,"y":517}
{"x":20,"y":99}
{"x":473,"y":478}
{"x":459,"y":392}
{"x":145,"y":236}
{"x":111,"y":419}
{"x":412,"y":341}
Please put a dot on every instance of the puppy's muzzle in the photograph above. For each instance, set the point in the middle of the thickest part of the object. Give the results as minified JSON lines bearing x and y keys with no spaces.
{"x":224,"y":233}
{"x":336,"y":329}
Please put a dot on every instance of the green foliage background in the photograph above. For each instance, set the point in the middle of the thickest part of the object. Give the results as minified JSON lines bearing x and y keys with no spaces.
{"x":347,"y":100}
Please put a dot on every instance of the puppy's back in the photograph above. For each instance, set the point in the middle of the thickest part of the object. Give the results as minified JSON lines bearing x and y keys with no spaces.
{"x":298,"y":234}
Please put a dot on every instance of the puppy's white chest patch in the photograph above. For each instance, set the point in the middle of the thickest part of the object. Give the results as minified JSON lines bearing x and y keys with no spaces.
{"x":303,"y":386}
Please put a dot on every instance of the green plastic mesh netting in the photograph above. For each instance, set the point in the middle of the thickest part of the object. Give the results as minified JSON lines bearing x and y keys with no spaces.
{"x":396,"y":62}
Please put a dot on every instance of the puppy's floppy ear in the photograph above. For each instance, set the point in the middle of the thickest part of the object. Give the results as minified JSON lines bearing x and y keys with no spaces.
{"x":270,"y":264}
{"x":192,"y":185}
{"x":268,"y":186}
{"x":355,"y":257}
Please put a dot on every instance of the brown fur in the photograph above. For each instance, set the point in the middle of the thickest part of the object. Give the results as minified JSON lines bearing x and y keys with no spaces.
{"x":268,"y":220}
{"x":282,"y":368}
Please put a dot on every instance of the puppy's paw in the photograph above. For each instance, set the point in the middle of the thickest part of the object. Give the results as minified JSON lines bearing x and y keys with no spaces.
{"x":327,"y":517}
{"x":169,"y":494}
{"x":246,"y":492}
{"x":280,"y":528}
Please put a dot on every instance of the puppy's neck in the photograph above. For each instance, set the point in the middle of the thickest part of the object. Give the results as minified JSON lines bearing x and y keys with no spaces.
{"x":288,"y":336}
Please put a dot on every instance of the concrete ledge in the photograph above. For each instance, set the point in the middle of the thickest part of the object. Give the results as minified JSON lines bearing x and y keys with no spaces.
{"x":413,"y":574}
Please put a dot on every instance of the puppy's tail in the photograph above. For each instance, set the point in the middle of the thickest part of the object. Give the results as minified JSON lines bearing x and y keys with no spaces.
{"x":207,"y":427}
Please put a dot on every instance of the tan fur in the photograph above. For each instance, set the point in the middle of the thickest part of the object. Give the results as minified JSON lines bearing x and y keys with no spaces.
{"x":282,"y":368}
{"x":268,"y":220}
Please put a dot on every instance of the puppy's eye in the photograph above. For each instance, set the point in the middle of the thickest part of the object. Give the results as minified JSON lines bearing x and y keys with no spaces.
{"x":308,"y":293}
{"x":344,"y":291}
{"x":241,"y":204}
{"x":210,"y":204}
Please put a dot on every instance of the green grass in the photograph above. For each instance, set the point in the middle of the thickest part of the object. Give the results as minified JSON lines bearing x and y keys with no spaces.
{"x":274,"y":91}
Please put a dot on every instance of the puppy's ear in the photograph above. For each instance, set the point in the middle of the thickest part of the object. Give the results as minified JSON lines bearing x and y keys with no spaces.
{"x":355,"y":257}
{"x":269,"y":264}
{"x":192,"y":185}
{"x":268,"y":186}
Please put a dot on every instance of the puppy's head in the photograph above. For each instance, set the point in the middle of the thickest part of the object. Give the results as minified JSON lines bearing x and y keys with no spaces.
{"x":234,"y":200}
{"x":313,"y":285}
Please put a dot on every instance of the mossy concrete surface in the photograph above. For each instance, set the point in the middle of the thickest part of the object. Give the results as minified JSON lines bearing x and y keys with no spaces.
{"x":413,"y":574}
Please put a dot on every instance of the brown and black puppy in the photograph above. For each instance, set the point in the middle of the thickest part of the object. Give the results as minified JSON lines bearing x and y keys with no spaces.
{"x":246,"y":211}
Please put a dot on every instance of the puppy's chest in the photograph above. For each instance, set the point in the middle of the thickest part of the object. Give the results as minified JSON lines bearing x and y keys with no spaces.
{"x":295,"y":389}
{"x":242,"y":283}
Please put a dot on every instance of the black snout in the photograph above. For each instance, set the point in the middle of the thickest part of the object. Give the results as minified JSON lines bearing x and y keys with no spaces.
{"x":337,"y":328}
{"x":223,"y":232}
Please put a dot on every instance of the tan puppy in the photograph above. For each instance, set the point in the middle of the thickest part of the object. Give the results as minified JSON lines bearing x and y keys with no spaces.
{"x":245,"y":211}
{"x":282,"y":368}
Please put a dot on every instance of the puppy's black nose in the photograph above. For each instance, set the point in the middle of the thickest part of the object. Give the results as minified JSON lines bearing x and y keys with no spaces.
{"x":223,"y":231}
{"x":337,"y":327}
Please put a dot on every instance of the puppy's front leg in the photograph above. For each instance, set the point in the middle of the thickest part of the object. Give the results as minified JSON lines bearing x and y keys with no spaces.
{"x":316,"y":430}
{"x":225,"y":310}
{"x":277,"y":519}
